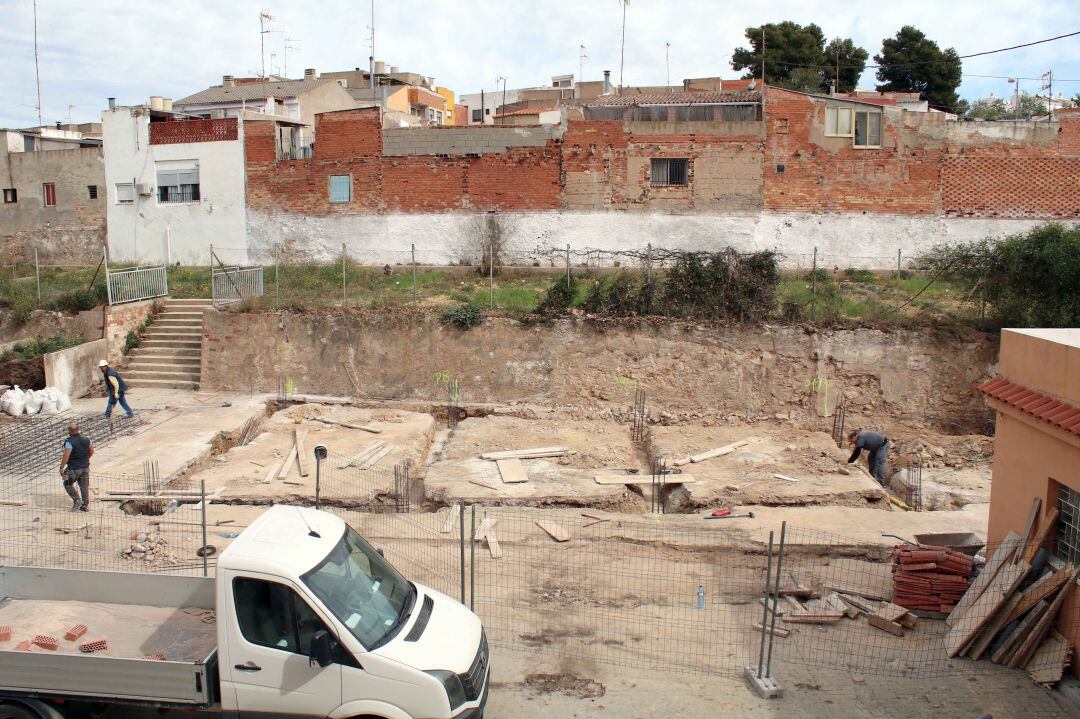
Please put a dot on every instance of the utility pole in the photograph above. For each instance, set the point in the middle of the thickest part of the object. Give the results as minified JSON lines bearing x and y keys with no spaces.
{"x":667,"y":64}
{"x":264,"y":17}
{"x":1048,"y":85}
{"x":622,"y":47}
{"x":371,"y":59}
{"x":37,"y":71}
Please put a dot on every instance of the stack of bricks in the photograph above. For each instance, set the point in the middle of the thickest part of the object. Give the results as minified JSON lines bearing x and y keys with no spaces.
{"x":929,"y":578}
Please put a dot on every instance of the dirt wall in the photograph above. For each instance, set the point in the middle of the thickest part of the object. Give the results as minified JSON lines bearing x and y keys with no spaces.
{"x":690,"y":372}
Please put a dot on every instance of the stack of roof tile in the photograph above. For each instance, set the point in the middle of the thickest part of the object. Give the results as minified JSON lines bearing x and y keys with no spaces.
{"x":929,"y":578}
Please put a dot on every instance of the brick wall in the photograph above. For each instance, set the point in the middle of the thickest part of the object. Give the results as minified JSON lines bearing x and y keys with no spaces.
{"x":121,"y":319}
{"x":184,"y":131}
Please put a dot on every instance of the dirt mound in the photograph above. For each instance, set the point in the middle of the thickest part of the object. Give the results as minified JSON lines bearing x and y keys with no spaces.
{"x":28,"y":374}
{"x":567,"y":684}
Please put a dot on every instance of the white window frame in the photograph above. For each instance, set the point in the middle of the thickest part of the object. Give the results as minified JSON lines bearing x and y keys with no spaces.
{"x":125,"y":193}
{"x":836,"y":111}
{"x":880,"y":129}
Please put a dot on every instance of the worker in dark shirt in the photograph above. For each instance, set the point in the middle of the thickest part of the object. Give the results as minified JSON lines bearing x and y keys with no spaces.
{"x":116,"y":387}
{"x":878,"y":447}
{"x":75,"y":468}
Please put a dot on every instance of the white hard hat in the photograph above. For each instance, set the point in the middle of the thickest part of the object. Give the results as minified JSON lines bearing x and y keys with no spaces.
{"x":103,"y":363}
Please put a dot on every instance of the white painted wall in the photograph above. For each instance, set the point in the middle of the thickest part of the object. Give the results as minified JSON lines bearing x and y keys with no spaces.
{"x":138,"y":232}
{"x":869,"y":241}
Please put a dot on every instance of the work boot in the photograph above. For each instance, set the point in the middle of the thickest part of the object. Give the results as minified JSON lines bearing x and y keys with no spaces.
{"x":75,"y":505}
{"x":84,"y":507}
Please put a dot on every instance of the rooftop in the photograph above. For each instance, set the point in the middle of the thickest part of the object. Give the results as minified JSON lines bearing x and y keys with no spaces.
{"x":1070,"y":337}
{"x":252,"y":91}
{"x":676,"y":98}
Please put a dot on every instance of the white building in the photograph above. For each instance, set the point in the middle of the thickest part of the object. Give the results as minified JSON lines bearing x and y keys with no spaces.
{"x":174,"y":185}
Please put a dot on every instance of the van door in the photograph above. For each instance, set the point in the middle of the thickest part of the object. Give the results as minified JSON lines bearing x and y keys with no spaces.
{"x":269,"y":667}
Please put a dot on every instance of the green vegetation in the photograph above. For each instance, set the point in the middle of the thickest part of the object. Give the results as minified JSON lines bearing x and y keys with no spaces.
{"x":38,"y":347}
{"x":798,"y":59}
{"x":463,"y":316}
{"x":912,"y":62}
{"x":1024,"y":280}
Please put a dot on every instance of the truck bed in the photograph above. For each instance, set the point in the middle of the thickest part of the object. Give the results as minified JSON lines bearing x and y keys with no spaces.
{"x":139,"y":615}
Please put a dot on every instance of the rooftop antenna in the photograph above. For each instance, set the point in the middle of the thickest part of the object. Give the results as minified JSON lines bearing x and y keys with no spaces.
{"x":371,"y":59}
{"x":582,"y":57}
{"x":285,"y":57}
{"x":273,"y":56}
{"x":311,"y":532}
{"x":264,"y":17}
{"x":37,"y":72}
{"x":622,"y":47}
{"x":70,"y":108}
{"x":667,"y":64}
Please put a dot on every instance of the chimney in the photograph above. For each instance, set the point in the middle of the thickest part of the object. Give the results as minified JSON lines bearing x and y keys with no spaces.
{"x":57,"y":124}
{"x":309,"y":73}
{"x":227,"y":81}
{"x":607,"y":83}
{"x":112,"y":103}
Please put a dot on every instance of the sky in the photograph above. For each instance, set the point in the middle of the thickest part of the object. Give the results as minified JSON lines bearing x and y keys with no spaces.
{"x":91,"y":51}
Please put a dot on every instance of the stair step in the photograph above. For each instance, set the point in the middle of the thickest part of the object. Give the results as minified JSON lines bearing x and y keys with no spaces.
{"x":151,"y":366}
{"x":195,"y":302}
{"x":156,"y":352}
{"x":171,"y":344}
{"x":176,"y":376}
{"x":171,"y":333}
{"x":163,"y":384}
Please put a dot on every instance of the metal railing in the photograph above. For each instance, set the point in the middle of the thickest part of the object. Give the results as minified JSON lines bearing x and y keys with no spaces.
{"x":135,"y":283}
{"x":233,"y":285}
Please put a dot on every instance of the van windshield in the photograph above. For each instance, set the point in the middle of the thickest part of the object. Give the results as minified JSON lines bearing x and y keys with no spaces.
{"x":362,"y":590}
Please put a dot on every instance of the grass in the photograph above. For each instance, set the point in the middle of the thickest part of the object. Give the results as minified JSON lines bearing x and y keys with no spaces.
{"x":38,"y":347}
{"x":848,"y":296}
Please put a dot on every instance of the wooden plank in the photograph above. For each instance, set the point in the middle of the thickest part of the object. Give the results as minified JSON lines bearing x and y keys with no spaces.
{"x":374,"y":458}
{"x":512,"y":471}
{"x":1045,"y":526}
{"x":777,"y":631}
{"x":493,"y":544}
{"x":908,"y":621}
{"x":891,"y":612}
{"x":864,"y":592}
{"x":1047,"y":664}
{"x":643,"y":479}
{"x":820,"y":617}
{"x":450,"y":519}
{"x":985,"y":638}
{"x":1027,"y":649}
{"x":719,"y":451}
{"x":274,"y":469}
{"x":301,"y":456}
{"x":794,"y":603}
{"x":349,"y":425}
{"x":1042,"y":588}
{"x":885,"y":624}
{"x":785,"y":478}
{"x":557,"y":532}
{"x":1001,"y":555}
{"x":1029,"y":529}
{"x":856,"y":602}
{"x":1020,"y":633}
{"x":976,"y":618}
{"x":364,"y":454}
{"x":486,"y":524}
{"x":534,"y":453}
{"x":287,"y":464}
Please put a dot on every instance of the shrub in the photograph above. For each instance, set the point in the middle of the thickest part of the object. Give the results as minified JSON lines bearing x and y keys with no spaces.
{"x":722,"y":284}
{"x":21,"y":309}
{"x":131,"y":342}
{"x":38,"y":347}
{"x":621,"y":295}
{"x":463,"y":316}
{"x":558,"y":298}
{"x":79,"y":300}
{"x":862,"y":276}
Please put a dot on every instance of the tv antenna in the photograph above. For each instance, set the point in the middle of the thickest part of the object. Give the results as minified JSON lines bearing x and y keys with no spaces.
{"x":582,"y":57}
{"x":37,"y":71}
{"x":264,"y":17}
{"x":285,"y":57}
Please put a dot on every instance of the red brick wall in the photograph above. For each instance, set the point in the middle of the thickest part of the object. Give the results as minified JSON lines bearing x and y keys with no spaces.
{"x":184,"y":131}
{"x":350,"y":143}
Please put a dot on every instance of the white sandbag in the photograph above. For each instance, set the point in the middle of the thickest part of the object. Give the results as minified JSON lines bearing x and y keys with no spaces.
{"x":33,"y":402}
{"x":63,"y":402}
{"x":14,"y":406}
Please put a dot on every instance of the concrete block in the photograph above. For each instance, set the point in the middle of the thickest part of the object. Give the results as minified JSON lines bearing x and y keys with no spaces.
{"x":765,"y":687}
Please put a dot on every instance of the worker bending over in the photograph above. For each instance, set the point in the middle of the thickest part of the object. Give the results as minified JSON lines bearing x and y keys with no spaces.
{"x":116,"y":387}
{"x":878,"y":447}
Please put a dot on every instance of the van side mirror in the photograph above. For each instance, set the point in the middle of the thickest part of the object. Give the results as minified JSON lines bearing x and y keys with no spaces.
{"x":323,"y":648}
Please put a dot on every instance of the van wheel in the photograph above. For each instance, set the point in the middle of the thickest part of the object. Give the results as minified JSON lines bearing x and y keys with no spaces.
{"x":16,"y":711}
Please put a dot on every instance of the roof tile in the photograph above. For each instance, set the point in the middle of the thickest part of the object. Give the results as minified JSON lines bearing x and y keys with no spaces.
{"x":675,"y":98}
{"x":252,"y":91}
{"x":1041,"y":406}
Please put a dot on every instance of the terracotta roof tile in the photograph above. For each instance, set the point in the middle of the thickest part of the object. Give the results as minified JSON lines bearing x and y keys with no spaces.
{"x":676,"y":98}
{"x":1038,"y":405}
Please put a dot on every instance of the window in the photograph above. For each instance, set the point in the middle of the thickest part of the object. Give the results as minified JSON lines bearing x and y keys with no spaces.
{"x":178,"y":182}
{"x":477,"y":115}
{"x":1067,"y":546}
{"x":838,"y":122}
{"x":92,"y":191}
{"x":125,"y":193}
{"x":29,"y":143}
{"x":48,"y":193}
{"x":273,"y":615}
{"x":669,"y":172}
{"x":11,"y":195}
{"x":340,"y":188}
{"x":867,"y":129}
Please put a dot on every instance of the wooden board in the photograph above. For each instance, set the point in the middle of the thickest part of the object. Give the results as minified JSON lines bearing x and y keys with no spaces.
{"x":719,"y":451}
{"x":856,"y":602}
{"x":557,"y":532}
{"x":819,"y":617}
{"x":891,"y":612}
{"x":1002,"y":554}
{"x":512,"y":471}
{"x":287,"y":464}
{"x":534,"y":453}
{"x":364,"y":454}
{"x":777,"y":631}
{"x":1047,"y":664}
{"x":1045,"y":586}
{"x":1045,"y":527}
{"x":274,"y":469}
{"x":864,"y":592}
{"x":785,"y":478}
{"x":1023,"y":654}
{"x":985,"y":638}
{"x":349,"y":425}
{"x":643,"y":479}
{"x":450,"y":519}
{"x":373,"y":459}
{"x":908,"y":621}
{"x":1020,"y":633}
{"x":1029,"y":529}
{"x":885,"y":624}
{"x":301,"y":455}
{"x":493,"y":544}
{"x":967,"y":628}
{"x":486,"y":524}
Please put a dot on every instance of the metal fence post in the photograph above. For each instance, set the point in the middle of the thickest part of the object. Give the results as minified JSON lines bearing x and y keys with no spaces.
{"x":202,"y":504}
{"x":775,"y":599}
{"x":648,"y":263}
{"x":318,"y":482}
{"x":899,"y":255}
{"x":765,"y":615}
{"x":414,"y":273}
{"x":342,"y":274}
{"x":108,"y":284}
{"x":461,"y":547}
{"x":37,"y":273}
{"x":568,"y":268}
{"x":813,"y":288}
{"x":491,"y":273}
{"x":472,"y":560}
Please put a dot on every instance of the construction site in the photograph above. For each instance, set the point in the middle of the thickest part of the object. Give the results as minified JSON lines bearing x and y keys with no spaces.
{"x":624,"y":506}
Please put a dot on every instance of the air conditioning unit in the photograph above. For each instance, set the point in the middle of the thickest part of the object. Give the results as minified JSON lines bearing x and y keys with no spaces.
{"x":144,"y":188}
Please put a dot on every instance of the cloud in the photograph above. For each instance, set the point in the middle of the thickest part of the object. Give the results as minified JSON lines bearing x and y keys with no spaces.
{"x":91,"y":51}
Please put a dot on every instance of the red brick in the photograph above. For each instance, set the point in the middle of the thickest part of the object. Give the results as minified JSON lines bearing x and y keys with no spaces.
{"x":5,"y":633}
{"x":75,"y":632}
{"x":97,"y":645}
{"x":159,"y":657}
{"x":47,"y":642}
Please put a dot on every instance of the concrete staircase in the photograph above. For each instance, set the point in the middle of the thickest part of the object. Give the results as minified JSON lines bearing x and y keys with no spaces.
{"x":169,"y":355}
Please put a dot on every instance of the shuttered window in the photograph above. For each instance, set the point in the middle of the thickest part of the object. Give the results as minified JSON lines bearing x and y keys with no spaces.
{"x":178,"y":182}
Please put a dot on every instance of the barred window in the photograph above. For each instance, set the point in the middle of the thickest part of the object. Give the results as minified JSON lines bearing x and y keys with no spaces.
{"x":1067,"y":547}
{"x":178,"y":182}
{"x":668,"y":172}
